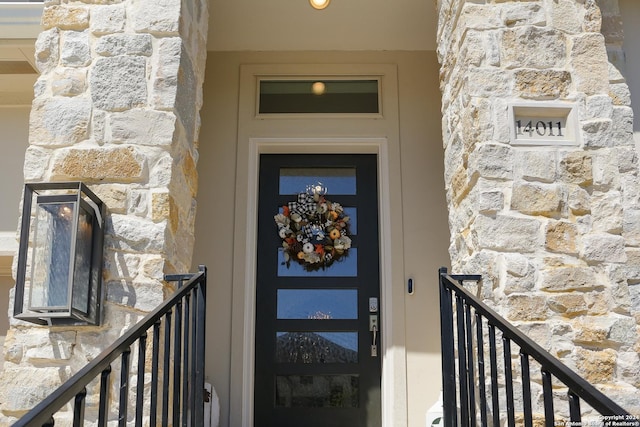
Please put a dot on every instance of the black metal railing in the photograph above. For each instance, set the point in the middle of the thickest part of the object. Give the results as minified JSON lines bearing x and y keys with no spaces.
{"x":176,"y":369}
{"x":469,"y":400}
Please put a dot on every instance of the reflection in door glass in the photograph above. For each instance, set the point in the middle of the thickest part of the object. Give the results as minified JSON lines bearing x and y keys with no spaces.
{"x":336,"y":180}
{"x":317,"y":347}
{"x":317,"y":391}
{"x":344,"y":267}
{"x":318,"y":304}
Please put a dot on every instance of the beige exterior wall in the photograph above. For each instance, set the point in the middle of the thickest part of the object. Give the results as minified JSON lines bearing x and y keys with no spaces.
{"x":14,"y":131}
{"x":630,"y":12}
{"x":423,"y":211}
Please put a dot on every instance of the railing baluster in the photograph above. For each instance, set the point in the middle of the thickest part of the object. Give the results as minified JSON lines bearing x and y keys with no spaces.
{"x":194,"y":358}
{"x":124,"y":388}
{"x":142,"y":344}
{"x":165,"y":368}
{"x":78,"y":408}
{"x":185,"y":365}
{"x":493,"y":360}
{"x":547,"y":394}
{"x":177,"y":362}
{"x":201,"y":311}
{"x":471,"y":373}
{"x":155,"y":350}
{"x":508,"y":380}
{"x":481,"y":370}
{"x":526,"y":389}
{"x":574,"y":408}
{"x":463,"y":374}
{"x":448,"y":355}
{"x":103,"y":404}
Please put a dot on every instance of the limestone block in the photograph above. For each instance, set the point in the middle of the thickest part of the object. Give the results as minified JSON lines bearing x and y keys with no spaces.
{"x":620,"y":94}
{"x":107,"y":19}
{"x":597,"y":133}
{"x":114,"y":196}
{"x":479,"y":17}
{"x":627,"y":160}
{"x":518,"y":14}
{"x":606,"y":212}
{"x":17,"y":393}
{"x":75,"y":50}
{"x":47,"y":50}
{"x":41,"y":344}
{"x":115,"y":164}
{"x":69,"y":81}
{"x":542,"y":84}
{"x":488,"y":82}
{"x":65,"y":17}
{"x":603,"y":247}
{"x":628,"y":367}
{"x":605,"y":170}
{"x":492,"y":161}
{"x":592,"y":330}
{"x":576,"y":168}
{"x":599,"y":107}
{"x":623,"y":331}
{"x":98,"y":122}
{"x":631,"y":227}
{"x":548,"y":51}
{"x":565,"y":16}
{"x":490,"y":201}
{"x":190,"y":173}
{"x":59,"y":121}
{"x":561,"y":237}
{"x":163,"y":207}
{"x":570,"y":278}
{"x":568,"y":305}
{"x":131,"y":233}
{"x":165,"y":81}
{"x":153,"y":267}
{"x":526,"y":307}
{"x":161,"y":171}
{"x":138,"y":202}
{"x":535,"y":165}
{"x":165,"y":19}
{"x":119,"y":83}
{"x":592,"y":17}
{"x":596,"y":366}
{"x":121,"y":265}
{"x":472,"y":51}
{"x":140,"y":295}
{"x":622,"y":131}
{"x":588,"y":58}
{"x":36,"y":160}
{"x":143,"y":127}
{"x":124,"y":44}
{"x":507,"y":233}
{"x":536,"y":199}
{"x":578,"y":200}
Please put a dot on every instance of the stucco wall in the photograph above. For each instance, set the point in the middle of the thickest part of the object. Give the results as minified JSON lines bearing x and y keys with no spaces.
{"x":14,"y":131}
{"x":424,"y":210}
{"x":630,"y":12}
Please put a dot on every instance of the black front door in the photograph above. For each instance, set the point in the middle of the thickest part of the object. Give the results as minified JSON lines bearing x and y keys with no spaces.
{"x":318,"y":353}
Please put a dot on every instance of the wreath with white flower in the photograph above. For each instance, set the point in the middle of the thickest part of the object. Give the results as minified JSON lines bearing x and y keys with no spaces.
{"x":314,"y":230}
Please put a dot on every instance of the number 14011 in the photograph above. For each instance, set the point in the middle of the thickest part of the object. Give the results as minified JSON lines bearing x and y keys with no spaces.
{"x":539,"y":128}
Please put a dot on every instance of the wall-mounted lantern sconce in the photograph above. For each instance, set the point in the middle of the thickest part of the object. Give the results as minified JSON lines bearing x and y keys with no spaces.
{"x":59,"y":276}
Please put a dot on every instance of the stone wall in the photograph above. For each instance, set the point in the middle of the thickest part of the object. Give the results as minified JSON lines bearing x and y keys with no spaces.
{"x":555,"y":231}
{"x":117,"y":107}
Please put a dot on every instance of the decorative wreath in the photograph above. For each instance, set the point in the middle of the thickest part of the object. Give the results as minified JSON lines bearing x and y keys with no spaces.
{"x":314,"y":230}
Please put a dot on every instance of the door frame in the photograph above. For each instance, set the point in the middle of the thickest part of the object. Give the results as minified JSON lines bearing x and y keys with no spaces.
{"x":392,"y":351}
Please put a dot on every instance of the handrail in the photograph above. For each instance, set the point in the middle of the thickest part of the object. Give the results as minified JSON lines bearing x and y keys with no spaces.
{"x":75,"y":388}
{"x":451,"y":286}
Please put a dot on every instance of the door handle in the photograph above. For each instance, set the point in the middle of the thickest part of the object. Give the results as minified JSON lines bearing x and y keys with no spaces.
{"x":373,"y":327}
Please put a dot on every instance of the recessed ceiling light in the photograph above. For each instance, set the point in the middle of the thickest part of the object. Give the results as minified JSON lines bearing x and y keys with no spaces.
{"x":319,"y":4}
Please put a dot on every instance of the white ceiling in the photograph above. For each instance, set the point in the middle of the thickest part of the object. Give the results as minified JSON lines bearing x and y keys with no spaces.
{"x":344,"y":25}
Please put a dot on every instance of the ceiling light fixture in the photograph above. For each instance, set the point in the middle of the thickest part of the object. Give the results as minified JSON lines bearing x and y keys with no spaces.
{"x":319,"y":4}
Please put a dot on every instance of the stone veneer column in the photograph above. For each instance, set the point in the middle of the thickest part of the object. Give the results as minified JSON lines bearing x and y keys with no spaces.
{"x":116,"y":106}
{"x":555,"y":231}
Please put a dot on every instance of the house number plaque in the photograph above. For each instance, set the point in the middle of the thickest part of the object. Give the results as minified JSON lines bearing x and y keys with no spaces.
{"x":542,"y":124}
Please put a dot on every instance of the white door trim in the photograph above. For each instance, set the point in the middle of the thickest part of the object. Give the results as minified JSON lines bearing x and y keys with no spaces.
{"x":378,"y":146}
{"x":307,"y":135}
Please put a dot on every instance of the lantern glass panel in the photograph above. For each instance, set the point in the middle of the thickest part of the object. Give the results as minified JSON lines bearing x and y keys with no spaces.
{"x":82,"y":266}
{"x":51,"y":259}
